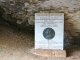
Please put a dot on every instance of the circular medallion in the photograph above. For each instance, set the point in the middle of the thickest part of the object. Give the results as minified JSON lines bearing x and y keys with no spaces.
{"x":48,"y":33}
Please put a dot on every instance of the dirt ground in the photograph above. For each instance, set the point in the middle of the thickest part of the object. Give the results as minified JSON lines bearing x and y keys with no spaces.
{"x":16,"y":45}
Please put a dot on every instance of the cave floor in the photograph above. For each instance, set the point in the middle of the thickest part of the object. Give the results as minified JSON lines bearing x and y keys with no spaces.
{"x":16,"y":45}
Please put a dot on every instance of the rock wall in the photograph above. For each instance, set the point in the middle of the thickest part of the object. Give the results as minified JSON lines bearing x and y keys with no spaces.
{"x":21,"y":12}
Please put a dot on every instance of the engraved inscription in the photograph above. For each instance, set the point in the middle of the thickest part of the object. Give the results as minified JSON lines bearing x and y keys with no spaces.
{"x":49,"y":30}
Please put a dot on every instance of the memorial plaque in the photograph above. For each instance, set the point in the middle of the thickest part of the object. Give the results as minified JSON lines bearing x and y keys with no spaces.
{"x":49,"y":31}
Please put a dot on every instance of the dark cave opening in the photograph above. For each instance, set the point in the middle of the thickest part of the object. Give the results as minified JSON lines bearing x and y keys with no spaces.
{"x":75,"y":41}
{"x":12,"y":23}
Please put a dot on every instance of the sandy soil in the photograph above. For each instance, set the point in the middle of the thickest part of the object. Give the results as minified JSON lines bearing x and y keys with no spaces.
{"x":16,"y":45}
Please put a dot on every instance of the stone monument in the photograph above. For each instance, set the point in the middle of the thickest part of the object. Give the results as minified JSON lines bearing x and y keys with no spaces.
{"x":49,"y":34}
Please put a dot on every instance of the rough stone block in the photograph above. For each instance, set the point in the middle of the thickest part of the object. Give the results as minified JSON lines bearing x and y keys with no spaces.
{"x":60,"y":53}
{"x":49,"y":53}
{"x":40,"y":52}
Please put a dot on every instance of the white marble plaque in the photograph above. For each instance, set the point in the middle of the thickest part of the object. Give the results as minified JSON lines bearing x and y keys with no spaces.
{"x":49,"y":31}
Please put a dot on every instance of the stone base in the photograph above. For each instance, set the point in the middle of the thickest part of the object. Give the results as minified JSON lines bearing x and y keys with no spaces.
{"x":49,"y":53}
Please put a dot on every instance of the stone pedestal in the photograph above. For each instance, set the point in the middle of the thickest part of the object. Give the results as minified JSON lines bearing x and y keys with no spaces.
{"x":49,"y":35}
{"x":49,"y":53}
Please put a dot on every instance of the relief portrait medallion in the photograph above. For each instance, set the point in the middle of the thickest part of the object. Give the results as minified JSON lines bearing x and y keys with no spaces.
{"x":48,"y":33}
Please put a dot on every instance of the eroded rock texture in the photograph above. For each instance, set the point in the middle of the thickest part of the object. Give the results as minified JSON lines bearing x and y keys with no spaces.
{"x":21,"y":12}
